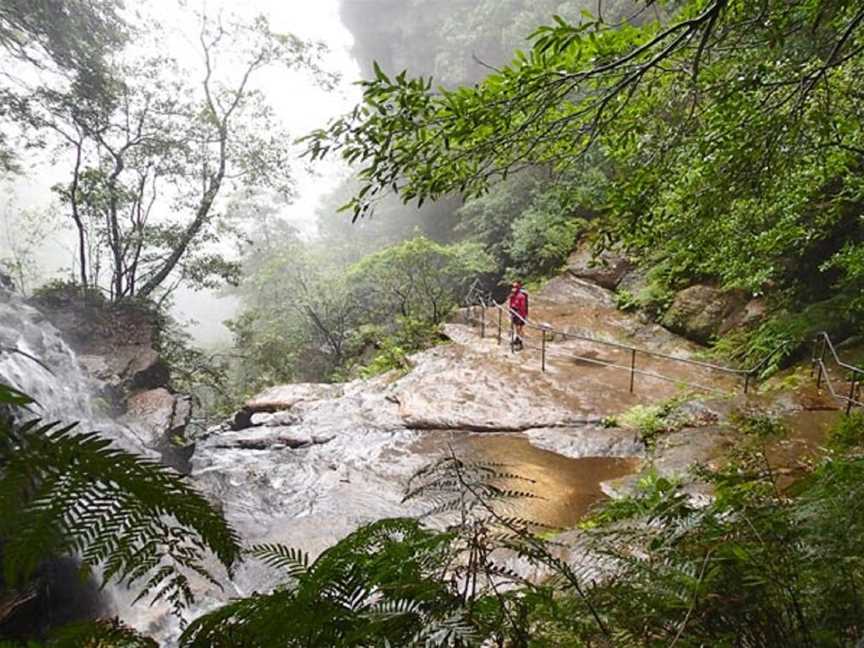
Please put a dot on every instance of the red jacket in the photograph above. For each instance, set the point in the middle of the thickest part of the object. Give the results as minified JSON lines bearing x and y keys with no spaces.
{"x":519,"y":304}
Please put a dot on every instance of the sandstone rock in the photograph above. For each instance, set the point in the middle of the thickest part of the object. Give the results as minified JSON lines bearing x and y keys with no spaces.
{"x":114,"y":341}
{"x":269,"y":438}
{"x":182,"y":413}
{"x":284,"y":397}
{"x":698,"y":312}
{"x":587,"y":441}
{"x":566,"y":289}
{"x":753,"y":311}
{"x":153,"y":412}
{"x":144,"y":369}
{"x":634,"y":281}
{"x":451,"y":390}
{"x":160,"y":418}
{"x":676,"y":452}
{"x":606,"y":270}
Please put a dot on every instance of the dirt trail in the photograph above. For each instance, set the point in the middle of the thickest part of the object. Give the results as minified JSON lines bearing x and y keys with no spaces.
{"x":577,"y":368}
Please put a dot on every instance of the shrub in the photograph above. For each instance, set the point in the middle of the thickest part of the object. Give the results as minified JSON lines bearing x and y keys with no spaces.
{"x":848,"y":431}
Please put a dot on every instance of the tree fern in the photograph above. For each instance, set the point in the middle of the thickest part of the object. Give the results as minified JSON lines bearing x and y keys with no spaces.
{"x":98,"y":634}
{"x":379,"y":584}
{"x":68,"y":492}
{"x":293,"y":562}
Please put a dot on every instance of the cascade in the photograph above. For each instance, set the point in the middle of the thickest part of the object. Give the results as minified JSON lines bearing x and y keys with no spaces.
{"x":35,"y":359}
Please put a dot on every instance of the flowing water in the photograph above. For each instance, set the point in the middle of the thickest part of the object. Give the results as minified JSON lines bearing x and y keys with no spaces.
{"x":35,"y":359}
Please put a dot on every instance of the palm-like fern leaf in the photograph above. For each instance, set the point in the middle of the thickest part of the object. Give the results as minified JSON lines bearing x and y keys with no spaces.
{"x":67,"y":492}
{"x":103,"y":634}
{"x":294,"y":562}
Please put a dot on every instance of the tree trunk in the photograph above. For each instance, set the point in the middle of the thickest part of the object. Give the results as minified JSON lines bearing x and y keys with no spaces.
{"x":194,"y":227}
{"x":73,"y":199}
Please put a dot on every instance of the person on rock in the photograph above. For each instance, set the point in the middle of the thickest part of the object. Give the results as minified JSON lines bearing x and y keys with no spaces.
{"x":518,"y":312}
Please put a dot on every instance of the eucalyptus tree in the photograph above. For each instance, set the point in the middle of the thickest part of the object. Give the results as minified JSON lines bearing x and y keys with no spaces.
{"x":147,"y":168}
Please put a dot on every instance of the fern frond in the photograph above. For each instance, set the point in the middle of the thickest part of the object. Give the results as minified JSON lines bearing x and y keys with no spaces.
{"x":67,"y":492}
{"x":294,"y":562}
{"x":101,"y":634}
{"x":453,"y":630}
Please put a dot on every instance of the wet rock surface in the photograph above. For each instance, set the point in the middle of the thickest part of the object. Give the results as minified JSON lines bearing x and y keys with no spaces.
{"x":305,"y":464}
{"x":284,"y":397}
{"x":115,"y":343}
{"x":606,"y":269}
{"x":160,"y":418}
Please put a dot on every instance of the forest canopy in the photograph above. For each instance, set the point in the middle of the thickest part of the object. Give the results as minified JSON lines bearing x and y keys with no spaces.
{"x":729,"y":135}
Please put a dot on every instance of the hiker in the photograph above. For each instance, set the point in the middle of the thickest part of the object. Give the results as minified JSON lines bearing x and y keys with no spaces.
{"x":518,"y":312}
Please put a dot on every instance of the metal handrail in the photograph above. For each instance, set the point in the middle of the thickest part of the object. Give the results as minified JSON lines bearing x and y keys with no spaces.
{"x":485,"y":300}
{"x":822,"y":342}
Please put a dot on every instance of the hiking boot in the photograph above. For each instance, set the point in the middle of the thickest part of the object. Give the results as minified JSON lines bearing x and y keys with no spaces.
{"x":517,"y":344}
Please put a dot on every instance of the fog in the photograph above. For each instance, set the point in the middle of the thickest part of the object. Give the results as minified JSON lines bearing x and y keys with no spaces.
{"x":298,"y":101}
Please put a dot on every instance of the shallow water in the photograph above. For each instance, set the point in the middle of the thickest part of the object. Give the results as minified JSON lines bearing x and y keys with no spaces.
{"x":567,"y":488}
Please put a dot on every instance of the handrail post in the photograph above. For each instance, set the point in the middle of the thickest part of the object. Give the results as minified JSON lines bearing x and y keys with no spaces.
{"x":746,"y":383}
{"x":851,"y":393}
{"x":816,"y":342}
{"x":512,"y":350}
{"x":632,"y":368}
{"x":543,"y":349}
{"x":482,"y":320}
{"x":499,"y":326}
{"x":821,"y":365}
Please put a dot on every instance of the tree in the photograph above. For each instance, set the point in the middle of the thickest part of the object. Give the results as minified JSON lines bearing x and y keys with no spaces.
{"x":300,"y":312}
{"x":168,"y":142}
{"x":21,"y":233}
{"x":418,"y":278}
{"x":70,"y":41}
{"x":730,"y":136}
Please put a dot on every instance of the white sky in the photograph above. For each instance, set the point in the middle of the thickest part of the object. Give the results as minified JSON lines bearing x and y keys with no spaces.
{"x":300,"y":104}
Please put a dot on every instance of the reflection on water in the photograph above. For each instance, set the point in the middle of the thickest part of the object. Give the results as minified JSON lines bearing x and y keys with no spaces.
{"x":566,"y":487}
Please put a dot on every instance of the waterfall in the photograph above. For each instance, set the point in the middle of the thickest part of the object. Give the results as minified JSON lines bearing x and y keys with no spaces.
{"x":35,"y":359}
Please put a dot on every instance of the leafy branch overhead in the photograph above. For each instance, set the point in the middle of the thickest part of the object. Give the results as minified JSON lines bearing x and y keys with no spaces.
{"x":589,"y":83}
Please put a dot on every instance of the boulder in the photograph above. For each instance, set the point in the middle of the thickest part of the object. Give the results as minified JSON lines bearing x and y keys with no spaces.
{"x":270,"y":419}
{"x":153,"y":412}
{"x":753,"y":311}
{"x":269,"y":438}
{"x":566,"y":289}
{"x":606,"y":269}
{"x":159,"y":418}
{"x":634,"y":281}
{"x":699,"y":312}
{"x":284,"y":397}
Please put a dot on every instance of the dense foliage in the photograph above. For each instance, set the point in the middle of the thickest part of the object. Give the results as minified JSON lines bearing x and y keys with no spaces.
{"x":312,"y":314}
{"x":728,"y":135}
